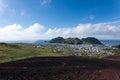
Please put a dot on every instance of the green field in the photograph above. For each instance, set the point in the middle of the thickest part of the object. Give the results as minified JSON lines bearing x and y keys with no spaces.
{"x":11,"y":52}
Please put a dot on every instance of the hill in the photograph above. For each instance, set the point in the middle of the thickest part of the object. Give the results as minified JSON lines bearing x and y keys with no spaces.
{"x":91,"y":40}
{"x":75,"y":40}
{"x":12,"y":52}
{"x":61,"y":68}
{"x":57,"y":40}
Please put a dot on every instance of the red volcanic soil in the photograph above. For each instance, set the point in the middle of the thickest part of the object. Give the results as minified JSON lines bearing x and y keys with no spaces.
{"x":62,"y":68}
{"x":113,"y":57}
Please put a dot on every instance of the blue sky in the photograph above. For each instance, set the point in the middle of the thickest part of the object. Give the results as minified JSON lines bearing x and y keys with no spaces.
{"x":45,"y":19}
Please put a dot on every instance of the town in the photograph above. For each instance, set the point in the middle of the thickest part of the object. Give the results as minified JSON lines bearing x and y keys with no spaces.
{"x":77,"y":50}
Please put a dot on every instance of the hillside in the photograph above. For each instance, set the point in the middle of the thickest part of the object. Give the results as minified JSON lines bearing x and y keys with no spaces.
{"x":62,"y":68}
{"x":72,"y":41}
{"x":20,"y":61}
{"x":12,"y":52}
{"x":91,"y":40}
{"x":75,"y":40}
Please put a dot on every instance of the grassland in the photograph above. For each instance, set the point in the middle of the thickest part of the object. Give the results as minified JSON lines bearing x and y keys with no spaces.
{"x":114,"y":51}
{"x":10,"y":52}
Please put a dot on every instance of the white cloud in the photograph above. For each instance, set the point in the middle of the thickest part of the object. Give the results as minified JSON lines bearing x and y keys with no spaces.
{"x":100,"y":30}
{"x":36,"y":31}
{"x":17,"y":32}
{"x":45,"y":2}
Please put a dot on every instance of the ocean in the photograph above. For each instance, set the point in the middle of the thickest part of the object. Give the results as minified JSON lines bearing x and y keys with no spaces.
{"x":111,"y":42}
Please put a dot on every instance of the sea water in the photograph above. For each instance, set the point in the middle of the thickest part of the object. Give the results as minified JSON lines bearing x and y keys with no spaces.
{"x":111,"y":42}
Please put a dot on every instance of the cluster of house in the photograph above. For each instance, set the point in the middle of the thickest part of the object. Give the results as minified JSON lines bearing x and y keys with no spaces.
{"x":77,"y":49}
{"x":90,"y":50}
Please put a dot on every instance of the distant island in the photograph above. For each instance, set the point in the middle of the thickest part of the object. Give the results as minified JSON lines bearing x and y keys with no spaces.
{"x":75,"y":40}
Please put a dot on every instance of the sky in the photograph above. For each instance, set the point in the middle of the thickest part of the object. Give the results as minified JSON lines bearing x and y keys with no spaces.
{"x":46,"y":19}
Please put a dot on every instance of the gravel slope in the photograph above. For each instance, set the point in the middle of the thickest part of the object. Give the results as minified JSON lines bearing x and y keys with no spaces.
{"x":62,"y":68}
